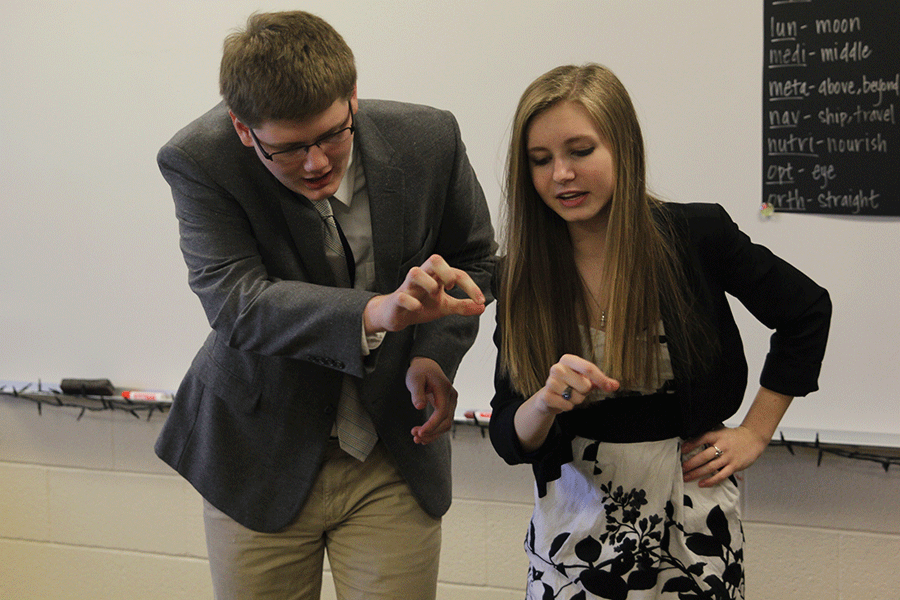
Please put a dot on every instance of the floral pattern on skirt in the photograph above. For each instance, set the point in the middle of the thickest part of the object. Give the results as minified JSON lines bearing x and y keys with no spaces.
{"x":620,"y":523}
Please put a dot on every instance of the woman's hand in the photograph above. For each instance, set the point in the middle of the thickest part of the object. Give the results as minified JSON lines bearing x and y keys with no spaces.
{"x":731,"y":450}
{"x":727,"y":451}
{"x":570,"y":381}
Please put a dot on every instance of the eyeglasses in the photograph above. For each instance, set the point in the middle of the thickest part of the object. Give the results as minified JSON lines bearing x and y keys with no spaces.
{"x":299,"y":152}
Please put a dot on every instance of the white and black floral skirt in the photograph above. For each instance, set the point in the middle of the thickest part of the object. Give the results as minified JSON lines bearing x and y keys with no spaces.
{"x":620,"y":523}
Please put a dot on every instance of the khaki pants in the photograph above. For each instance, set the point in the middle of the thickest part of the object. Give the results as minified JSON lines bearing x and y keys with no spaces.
{"x":380,"y":543}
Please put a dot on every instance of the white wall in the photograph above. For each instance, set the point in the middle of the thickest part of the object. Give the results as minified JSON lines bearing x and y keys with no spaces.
{"x":93,"y":282}
{"x":87,"y":511}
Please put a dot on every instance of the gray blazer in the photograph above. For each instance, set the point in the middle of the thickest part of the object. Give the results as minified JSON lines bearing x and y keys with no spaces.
{"x":251,"y":419}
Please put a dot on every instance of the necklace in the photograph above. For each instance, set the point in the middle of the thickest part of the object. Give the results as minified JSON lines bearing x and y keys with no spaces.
{"x":593,"y":298}
{"x":602,"y":325}
{"x":597,"y":304}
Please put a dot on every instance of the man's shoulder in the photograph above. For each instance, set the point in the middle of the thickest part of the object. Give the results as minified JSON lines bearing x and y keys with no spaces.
{"x":404,"y":113}
{"x":212,"y":126}
{"x":395,"y":107}
{"x":209,"y":139}
{"x":407,"y":131}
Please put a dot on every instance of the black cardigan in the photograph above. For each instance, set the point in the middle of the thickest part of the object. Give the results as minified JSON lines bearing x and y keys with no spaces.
{"x":718,"y":258}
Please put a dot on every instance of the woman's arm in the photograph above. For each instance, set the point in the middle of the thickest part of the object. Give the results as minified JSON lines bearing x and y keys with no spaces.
{"x":569,"y":382}
{"x":729,"y":450}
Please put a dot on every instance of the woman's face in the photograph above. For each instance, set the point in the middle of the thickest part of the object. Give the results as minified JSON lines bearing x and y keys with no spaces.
{"x":571,"y":164}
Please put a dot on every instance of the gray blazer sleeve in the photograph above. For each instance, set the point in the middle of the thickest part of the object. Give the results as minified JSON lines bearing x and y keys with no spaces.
{"x":261,"y":292}
{"x":465,"y":238}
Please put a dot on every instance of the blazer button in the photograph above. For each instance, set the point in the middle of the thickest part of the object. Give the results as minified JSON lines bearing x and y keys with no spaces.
{"x":329,"y":409}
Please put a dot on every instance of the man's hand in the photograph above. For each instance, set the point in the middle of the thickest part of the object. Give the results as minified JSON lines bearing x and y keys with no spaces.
{"x":428,"y":384}
{"x":423,"y":297}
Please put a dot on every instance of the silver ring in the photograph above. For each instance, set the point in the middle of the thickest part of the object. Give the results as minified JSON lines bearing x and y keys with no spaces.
{"x":567,"y":393}
{"x":718,"y":452}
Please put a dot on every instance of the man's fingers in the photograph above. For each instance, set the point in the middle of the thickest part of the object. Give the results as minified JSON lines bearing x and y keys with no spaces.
{"x":437,"y":424}
{"x":408,"y":302}
{"x":449,"y":277}
{"x":432,"y":429}
{"x":465,"y":308}
{"x":419,"y":277}
{"x":469,"y":287}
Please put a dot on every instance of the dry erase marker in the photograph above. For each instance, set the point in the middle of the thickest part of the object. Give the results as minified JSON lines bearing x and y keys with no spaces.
{"x":480,"y":416}
{"x":152,"y":396}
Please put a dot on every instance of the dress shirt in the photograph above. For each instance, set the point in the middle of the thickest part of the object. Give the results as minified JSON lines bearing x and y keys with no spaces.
{"x":351,"y":211}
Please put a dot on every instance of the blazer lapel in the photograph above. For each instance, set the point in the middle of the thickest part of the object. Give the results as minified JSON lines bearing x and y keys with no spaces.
{"x":385,"y":184}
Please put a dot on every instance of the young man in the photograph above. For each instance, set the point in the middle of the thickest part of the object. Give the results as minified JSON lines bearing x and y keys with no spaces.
{"x":312,"y":318}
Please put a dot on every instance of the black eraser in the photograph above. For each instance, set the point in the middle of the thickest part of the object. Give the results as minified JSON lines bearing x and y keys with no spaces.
{"x":87,"y":387}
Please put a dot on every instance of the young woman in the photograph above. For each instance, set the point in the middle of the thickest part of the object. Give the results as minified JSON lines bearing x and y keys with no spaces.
{"x":619,"y":358}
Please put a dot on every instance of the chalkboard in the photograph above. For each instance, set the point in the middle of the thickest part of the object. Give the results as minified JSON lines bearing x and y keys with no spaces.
{"x":831,"y":87}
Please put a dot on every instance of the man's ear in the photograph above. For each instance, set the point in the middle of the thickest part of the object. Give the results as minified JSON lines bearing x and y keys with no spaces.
{"x":242,"y":130}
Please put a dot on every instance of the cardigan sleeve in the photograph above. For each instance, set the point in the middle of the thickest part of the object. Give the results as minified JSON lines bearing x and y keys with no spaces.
{"x":505,"y":403}
{"x":778,"y":295}
{"x":547,"y":460}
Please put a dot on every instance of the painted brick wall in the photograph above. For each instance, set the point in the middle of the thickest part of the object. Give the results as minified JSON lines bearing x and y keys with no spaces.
{"x":88,"y":511}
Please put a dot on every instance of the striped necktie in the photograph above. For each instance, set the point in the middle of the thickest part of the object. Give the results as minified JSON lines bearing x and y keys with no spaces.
{"x":356,"y":432}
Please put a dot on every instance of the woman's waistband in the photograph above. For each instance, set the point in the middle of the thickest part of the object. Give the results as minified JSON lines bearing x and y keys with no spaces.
{"x":626,"y":419}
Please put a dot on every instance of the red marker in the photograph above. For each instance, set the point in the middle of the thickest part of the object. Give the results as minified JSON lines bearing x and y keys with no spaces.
{"x":148,"y":396}
{"x":480,"y":416}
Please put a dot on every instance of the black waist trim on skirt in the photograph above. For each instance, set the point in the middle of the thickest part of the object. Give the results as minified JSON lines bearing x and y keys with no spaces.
{"x":619,"y":420}
{"x":626,"y":419}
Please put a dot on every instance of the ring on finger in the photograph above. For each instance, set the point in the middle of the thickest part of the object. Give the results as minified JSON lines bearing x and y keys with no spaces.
{"x":567,"y":393}
{"x":718,"y":452}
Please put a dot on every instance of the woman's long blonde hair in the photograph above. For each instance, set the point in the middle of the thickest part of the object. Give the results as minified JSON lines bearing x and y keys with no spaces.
{"x":543,"y":304}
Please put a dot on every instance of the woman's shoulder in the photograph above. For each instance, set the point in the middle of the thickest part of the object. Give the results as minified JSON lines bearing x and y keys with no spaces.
{"x":697,"y":221}
{"x":695,"y":212}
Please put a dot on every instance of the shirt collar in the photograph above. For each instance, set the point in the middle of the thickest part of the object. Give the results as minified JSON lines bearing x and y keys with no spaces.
{"x":344,"y":193}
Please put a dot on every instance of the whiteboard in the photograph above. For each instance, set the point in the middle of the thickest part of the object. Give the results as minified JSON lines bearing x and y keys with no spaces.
{"x":93,"y":281}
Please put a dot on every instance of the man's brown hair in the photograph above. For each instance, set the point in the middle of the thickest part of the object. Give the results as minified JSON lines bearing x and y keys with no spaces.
{"x":285,"y":66}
